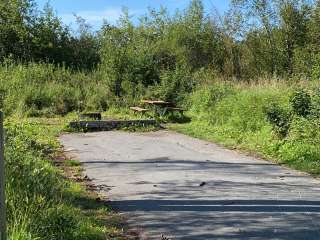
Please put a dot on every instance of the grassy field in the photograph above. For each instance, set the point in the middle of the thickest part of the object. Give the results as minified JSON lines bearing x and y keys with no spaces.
{"x":41,"y":202}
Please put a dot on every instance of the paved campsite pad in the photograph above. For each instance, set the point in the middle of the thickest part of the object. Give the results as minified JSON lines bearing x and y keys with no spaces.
{"x":155,"y":178}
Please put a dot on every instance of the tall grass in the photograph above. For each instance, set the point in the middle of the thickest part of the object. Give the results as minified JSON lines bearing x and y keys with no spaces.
{"x":238,"y":115}
{"x":41,"y":89}
{"x":44,"y":89}
{"x":41,"y":204}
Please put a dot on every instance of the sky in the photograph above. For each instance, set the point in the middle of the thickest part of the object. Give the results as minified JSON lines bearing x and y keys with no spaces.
{"x":95,"y":11}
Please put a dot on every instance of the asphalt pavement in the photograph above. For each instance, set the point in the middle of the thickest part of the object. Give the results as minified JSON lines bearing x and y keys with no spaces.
{"x":183,"y":188}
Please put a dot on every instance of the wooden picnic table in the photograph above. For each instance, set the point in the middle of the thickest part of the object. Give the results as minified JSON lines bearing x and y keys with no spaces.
{"x":158,"y":103}
{"x":162,"y":107}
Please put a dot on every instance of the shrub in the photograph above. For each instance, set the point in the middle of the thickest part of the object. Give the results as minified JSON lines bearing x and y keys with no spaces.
{"x":301,"y":102}
{"x":37,"y":98}
{"x":315,"y":111}
{"x":305,"y":130}
{"x":315,"y":71}
{"x":174,"y":85}
{"x":279,"y":118}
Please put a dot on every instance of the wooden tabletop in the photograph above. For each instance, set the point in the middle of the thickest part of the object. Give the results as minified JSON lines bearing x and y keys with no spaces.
{"x":157,"y":102}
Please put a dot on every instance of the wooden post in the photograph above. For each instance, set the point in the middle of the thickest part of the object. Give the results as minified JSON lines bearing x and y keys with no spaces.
{"x":3,"y":227}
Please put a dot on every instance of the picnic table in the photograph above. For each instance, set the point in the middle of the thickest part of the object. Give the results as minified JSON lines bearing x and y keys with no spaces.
{"x":162,"y":107}
{"x":158,"y":103}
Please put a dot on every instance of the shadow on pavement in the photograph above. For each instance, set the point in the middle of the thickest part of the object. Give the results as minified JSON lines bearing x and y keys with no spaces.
{"x":220,"y":206}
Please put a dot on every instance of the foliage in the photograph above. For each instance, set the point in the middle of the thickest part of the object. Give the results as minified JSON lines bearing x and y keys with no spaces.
{"x":44,"y":89}
{"x":224,"y":69}
{"x":160,"y":56}
{"x":40,"y":203}
{"x":254,"y":38}
{"x":259,"y":118}
{"x":206,"y":98}
{"x":28,"y":34}
{"x":279,"y":118}
{"x":315,"y":109}
{"x":301,"y":103}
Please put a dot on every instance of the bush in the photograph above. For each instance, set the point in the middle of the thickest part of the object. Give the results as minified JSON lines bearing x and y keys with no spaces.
{"x":242,"y":111}
{"x":174,"y":85}
{"x":315,"y":71}
{"x":315,"y":111}
{"x":279,"y":118}
{"x":301,"y":102}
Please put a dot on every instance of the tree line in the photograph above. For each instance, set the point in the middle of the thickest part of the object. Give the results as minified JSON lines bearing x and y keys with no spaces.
{"x":29,"y":34}
{"x":253,"y":38}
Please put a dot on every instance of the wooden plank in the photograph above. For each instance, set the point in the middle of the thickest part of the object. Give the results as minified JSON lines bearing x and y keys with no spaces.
{"x":147,"y":101}
{"x":139,"y":109}
{"x":156,"y":102}
{"x":112,"y":124}
{"x":3,"y":227}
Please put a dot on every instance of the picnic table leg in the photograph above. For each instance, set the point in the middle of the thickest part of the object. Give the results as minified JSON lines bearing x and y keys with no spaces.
{"x":154,"y":111}
{"x":157,"y":111}
{"x":164,"y":111}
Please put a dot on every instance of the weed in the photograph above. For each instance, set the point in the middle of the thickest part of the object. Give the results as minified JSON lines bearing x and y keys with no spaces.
{"x":40,"y":202}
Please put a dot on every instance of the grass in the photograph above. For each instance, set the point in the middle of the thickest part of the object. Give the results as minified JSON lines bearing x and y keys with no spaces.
{"x":235,"y":116}
{"x":46,"y":90}
{"x":41,"y":202}
{"x":72,"y":163}
{"x":124,"y":113}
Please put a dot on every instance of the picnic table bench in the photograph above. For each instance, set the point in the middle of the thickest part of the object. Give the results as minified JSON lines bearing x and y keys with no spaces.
{"x":139,"y":109}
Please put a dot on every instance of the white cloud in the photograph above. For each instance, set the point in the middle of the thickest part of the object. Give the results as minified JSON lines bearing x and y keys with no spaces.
{"x":96,"y":18}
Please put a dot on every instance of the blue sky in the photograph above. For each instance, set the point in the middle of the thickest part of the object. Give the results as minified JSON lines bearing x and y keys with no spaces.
{"x":94,"y":11}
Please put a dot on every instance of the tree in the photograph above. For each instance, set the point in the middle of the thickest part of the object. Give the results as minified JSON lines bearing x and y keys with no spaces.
{"x":294,"y":19}
{"x":257,"y":14}
{"x":51,"y":39}
{"x":85,"y":47}
{"x":16,"y":21}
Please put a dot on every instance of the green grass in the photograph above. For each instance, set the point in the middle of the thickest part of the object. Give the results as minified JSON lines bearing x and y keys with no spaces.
{"x":124,"y":113}
{"x":72,"y":163}
{"x":35,"y":90}
{"x":235,"y":116}
{"x":41,"y":202}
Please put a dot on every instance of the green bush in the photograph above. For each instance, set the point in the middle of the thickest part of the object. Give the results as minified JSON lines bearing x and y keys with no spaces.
{"x":301,"y":102}
{"x":242,"y":111}
{"x":315,"y":111}
{"x":279,"y":118}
